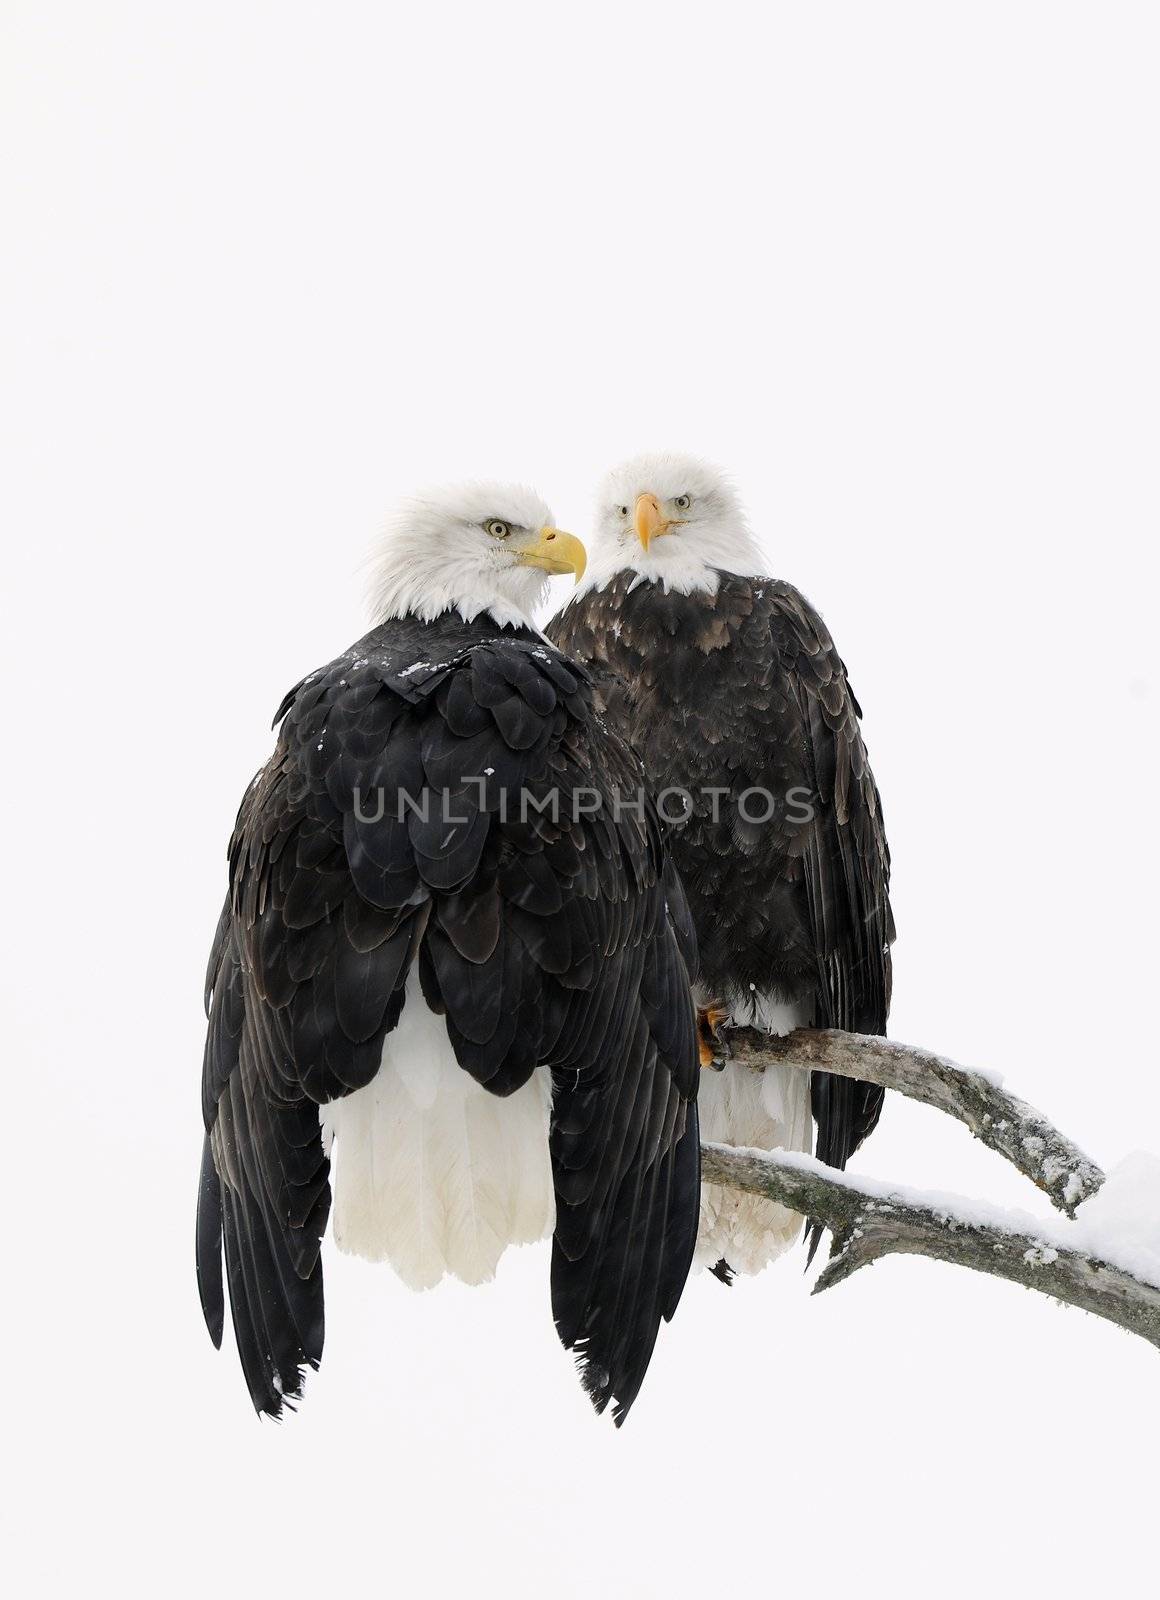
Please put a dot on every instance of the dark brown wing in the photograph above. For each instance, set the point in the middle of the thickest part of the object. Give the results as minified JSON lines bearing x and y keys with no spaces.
{"x":846,"y":866}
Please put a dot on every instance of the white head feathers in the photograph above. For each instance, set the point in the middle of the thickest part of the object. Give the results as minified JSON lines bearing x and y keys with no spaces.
{"x":440,"y":553}
{"x":701,"y":526}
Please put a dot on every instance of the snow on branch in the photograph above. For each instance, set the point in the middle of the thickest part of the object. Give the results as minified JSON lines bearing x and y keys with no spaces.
{"x":1107,"y":1263}
{"x":869,"y":1220}
{"x":1008,"y":1125}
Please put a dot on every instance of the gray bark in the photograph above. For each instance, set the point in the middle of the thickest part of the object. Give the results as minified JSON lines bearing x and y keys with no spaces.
{"x":869,"y":1220}
{"x":867,"y":1223}
{"x":1008,"y":1125}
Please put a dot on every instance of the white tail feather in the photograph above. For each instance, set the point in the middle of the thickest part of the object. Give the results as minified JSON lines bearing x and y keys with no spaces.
{"x":433,"y":1173}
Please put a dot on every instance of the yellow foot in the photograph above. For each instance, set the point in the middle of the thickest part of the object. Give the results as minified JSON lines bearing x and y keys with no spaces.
{"x":714,"y":1046}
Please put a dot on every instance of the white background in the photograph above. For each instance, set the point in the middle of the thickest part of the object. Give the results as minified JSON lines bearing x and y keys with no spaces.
{"x":268,"y":267}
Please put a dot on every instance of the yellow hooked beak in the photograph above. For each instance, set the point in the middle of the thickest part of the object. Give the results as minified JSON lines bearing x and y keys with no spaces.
{"x":650,"y":521}
{"x":555,"y":551}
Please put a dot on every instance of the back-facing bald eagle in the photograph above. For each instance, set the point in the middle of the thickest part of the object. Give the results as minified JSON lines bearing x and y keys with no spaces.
{"x":433,"y":957}
{"x":728,"y":686}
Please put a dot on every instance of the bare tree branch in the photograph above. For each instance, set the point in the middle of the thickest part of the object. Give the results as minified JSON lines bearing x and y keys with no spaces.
{"x":1008,"y":1125}
{"x":869,"y":1220}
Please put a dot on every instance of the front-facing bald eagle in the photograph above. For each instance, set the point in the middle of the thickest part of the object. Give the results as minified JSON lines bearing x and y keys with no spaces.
{"x":434,"y":958}
{"x":728,"y":686}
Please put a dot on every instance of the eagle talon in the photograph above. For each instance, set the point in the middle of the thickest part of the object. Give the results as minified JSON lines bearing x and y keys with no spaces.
{"x":712,"y":1043}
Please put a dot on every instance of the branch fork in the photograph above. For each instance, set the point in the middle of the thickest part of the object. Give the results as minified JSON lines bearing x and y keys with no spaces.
{"x":868,"y":1219}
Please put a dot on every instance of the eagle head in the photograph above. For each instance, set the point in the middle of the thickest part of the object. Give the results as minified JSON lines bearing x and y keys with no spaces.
{"x":675,"y":520}
{"x":473,"y":548}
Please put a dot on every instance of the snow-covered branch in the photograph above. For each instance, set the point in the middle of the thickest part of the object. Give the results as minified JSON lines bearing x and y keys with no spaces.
{"x":1008,"y":1125}
{"x":1107,"y":1262}
{"x":869,"y":1219}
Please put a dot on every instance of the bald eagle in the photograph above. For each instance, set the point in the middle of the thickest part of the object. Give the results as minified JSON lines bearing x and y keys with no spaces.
{"x":436,"y":965}
{"x":727,"y":684}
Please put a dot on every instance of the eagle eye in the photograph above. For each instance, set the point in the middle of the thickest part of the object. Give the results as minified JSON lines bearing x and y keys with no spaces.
{"x":622,"y":511}
{"x":683,"y":502}
{"x":497,"y":529}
